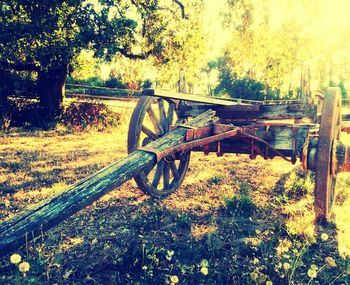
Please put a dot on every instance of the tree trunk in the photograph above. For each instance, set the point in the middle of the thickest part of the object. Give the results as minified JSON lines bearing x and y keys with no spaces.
{"x":3,"y":90}
{"x":50,"y":212}
{"x":51,"y":90}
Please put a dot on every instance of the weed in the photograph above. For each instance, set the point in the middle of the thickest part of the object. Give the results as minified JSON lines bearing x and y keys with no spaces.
{"x":216,"y":179}
{"x":184,"y":220}
{"x":240,"y":204}
{"x":299,"y":184}
{"x":245,"y":187}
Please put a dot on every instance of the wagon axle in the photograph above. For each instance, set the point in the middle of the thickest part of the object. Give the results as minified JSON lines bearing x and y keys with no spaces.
{"x":340,"y":158}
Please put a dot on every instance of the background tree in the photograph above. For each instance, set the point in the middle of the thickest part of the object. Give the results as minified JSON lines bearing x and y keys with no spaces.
{"x":260,"y":52}
{"x":45,"y":36}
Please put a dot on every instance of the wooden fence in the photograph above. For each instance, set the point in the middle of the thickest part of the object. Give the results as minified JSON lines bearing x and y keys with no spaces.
{"x":97,"y":92}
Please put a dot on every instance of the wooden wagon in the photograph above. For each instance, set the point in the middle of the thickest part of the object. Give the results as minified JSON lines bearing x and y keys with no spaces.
{"x":293,"y":130}
{"x":166,"y":127}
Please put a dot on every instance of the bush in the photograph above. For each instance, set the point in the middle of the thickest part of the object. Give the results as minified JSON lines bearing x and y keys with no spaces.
{"x":86,"y":115}
{"x":18,"y":84}
{"x":115,"y":83}
{"x":245,"y":88}
{"x":21,"y":112}
{"x":93,"y":81}
{"x":146,"y":84}
{"x":241,"y":204}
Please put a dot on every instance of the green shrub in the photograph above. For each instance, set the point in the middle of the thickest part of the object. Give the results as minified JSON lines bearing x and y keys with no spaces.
{"x":21,"y":112}
{"x":93,"y":81}
{"x":240,"y":204}
{"x":216,"y":179}
{"x":184,"y":220}
{"x":146,"y":84}
{"x":299,"y":184}
{"x":86,"y":115}
{"x":115,"y":83}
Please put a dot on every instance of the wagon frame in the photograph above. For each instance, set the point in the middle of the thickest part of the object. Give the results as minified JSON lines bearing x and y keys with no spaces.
{"x":291,"y":129}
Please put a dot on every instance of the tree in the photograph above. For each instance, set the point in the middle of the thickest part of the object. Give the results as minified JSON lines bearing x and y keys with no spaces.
{"x":45,"y":36}
{"x":84,"y":66}
{"x":269,"y":43}
{"x":186,"y":50}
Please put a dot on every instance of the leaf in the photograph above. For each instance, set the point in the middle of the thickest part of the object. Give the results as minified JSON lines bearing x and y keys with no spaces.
{"x":67,"y":274}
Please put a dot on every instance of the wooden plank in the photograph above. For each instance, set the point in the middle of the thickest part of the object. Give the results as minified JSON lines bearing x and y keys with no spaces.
{"x":279,"y":137}
{"x":190,"y":97}
{"x":52,"y":211}
{"x":248,"y":113}
{"x":102,"y":97}
{"x":100,"y":87}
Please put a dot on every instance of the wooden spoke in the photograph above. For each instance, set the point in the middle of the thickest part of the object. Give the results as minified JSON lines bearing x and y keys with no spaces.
{"x":158,"y":173}
{"x":148,"y":170}
{"x":166,"y":176}
{"x":157,"y":126}
{"x":149,"y":133}
{"x":162,"y":115}
{"x":174,"y":170}
{"x":147,"y":125}
{"x":170,"y":115}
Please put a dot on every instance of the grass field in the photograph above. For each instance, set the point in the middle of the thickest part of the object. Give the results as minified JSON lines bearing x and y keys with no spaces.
{"x":233,"y":220}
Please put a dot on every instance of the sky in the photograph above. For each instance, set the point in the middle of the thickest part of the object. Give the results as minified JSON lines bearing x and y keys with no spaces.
{"x":326,"y":22}
{"x":327,"y":19}
{"x":212,"y":25}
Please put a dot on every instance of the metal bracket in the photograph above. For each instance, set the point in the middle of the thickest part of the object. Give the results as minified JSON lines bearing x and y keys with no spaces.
{"x":158,"y":153}
{"x":294,"y":152}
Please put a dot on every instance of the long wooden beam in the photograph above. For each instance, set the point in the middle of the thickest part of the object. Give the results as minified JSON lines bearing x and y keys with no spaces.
{"x":193,"y":97}
{"x":251,"y":112}
{"x":52,"y":211}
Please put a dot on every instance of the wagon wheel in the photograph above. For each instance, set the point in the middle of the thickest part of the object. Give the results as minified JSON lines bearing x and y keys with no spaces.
{"x":329,"y":132}
{"x":150,"y":120}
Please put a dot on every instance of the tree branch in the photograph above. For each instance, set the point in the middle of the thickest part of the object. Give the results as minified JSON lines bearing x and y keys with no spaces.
{"x":19,"y":66}
{"x":135,"y":56}
{"x":182,"y":7}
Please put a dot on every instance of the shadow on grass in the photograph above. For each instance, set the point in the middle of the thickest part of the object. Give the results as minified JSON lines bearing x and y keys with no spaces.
{"x":37,"y":169}
{"x":131,"y":239}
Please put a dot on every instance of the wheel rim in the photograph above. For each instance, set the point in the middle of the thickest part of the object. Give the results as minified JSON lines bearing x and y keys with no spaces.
{"x":150,"y":120}
{"x":330,"y":129}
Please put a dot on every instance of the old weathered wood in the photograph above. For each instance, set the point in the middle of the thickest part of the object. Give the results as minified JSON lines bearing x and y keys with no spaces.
{"x":52,"y":211}
{"x":280,"y":138}
{"x":247,"y":113}
{"x":191,"y":97}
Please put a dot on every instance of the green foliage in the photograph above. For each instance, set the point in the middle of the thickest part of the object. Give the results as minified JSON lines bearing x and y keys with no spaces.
{"x":299,"y":184}
{"x":344,"y":93}
{"x":241,"y":204}
{"x":187,"y":49}
{"x":84,"y":65}
{"x":262,"y":52}
{"x":146,"y":83}
{"x":115,"y":83}
{"x":184,"y":220}
{"x":216,"y":179}
{"x":46,"y":38}
{"x":93,"y":81}
{"x":86,"y":115}
{"x":243,"y":88}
